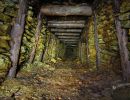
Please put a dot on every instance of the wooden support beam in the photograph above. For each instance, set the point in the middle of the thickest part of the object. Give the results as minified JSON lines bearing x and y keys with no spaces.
{"x":66,"y":25}
{"x":16,"y":37}
{"x":46,"y":40}
{"x":66,"y":10}
{"x":66,"y":22}
{"x":68,"y":37}
{"x":96,"y":42}
{"x":66,"y":30}
{"x":70,"y":40}
{"x":87,"y":47}
{"x":67,"y":34}
{"x":37,"y":34}
{"x":72,"y":45}
{"x":122,"y":41}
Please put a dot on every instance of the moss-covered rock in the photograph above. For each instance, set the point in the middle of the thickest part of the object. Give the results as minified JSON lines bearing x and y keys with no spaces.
{"x":125,"y":6}
{"x":4,"y":28}
{"x":4,"y":44}
{"x":2,"y":6}
{"x":108,"y":43}
{"x":125,"y":24}
{"x":11,"y":11}
{"x":4,"y":65}
{"x":5,"y":18}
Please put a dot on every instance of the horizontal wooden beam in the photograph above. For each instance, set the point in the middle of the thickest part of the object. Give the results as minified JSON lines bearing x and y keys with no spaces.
{"x":66,"y":25}
{"x":69,"y":40}
{"x":67,"y":34}
{"x":68,"y":37}
{"x":66,"y":10}
{"x":66,"y":30}
{"x":66,"y":22}
{"x":72,"y":45}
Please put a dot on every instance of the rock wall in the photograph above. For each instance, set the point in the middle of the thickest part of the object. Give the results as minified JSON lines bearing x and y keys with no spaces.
{"x":28,"y":39}
{"x":54,"y":50}
{"x":49,"y":47}
{"x":108,"y":43}
{"x":8,"y":12}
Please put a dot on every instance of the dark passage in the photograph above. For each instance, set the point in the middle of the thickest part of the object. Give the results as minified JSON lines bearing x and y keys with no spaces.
{"x":71,"y":52}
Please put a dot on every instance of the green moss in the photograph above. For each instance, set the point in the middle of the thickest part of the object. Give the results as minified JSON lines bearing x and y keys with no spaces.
{"x":4,"y":62}
{"x":125,"y":6}
{"x":2,"y":6}
{"x":4,"y":44}
{"x":5,"y":18}
{"x":5,"y":37}
{"x":4,"y":28}
{"x":124,"y":16}
{"x":125,"y":24}
{"x":11,"y":11}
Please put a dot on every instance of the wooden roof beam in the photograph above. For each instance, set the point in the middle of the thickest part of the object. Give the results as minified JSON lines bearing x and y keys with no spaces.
{"x":68,"y":37}
{"x":69,"y":40}
{"x":67,"y":34}
{"x":66,"y":10}
{"x":66,"y":30}
{"x":67,"y":22}
{"x":66,"y":25}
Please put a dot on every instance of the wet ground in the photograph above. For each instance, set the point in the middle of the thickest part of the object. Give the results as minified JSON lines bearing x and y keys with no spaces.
{"x":61,"y":81}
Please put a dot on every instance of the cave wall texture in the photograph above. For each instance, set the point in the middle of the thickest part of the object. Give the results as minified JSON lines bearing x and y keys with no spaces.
{"x":50,"y":49}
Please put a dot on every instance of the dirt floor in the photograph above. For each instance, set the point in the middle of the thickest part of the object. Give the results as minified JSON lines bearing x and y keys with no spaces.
{"x":60,"y":81}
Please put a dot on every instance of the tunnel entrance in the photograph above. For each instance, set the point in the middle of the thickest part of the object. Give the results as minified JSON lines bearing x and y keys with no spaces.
{"x":70,"y":53}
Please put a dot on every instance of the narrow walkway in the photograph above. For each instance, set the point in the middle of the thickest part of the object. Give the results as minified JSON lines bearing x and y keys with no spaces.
{"x":62,"y":81}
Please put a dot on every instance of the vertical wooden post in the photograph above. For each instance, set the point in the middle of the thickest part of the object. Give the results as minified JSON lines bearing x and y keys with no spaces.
{"x":16,"y":36}
{"x":96,"y":42}
{"x":43,"y":49}
{"x":38,"y":30}
{"x":87,"y":47}
{"x":122,"y":41}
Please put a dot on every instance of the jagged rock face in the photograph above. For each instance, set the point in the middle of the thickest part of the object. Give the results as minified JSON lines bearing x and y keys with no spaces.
{"x":48,"y":43}
{"x":8,"y":12}
{"x":108,"y":43}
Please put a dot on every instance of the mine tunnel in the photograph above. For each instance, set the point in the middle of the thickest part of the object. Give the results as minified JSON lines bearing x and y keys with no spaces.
{"x":64,"y":50}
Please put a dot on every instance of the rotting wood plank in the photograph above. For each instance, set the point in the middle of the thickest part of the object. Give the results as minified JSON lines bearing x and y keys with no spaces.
{"x":66,"y":10}
{"x":66,"y":22}
{"x":68,"y":37}
{"x":16,"y":36}
{"x":96,"y":42}
{"x":66,"y":25}
{"x":38,"y":29}
{"x":65,"y":30}
{"x":67,"y":34}
{"x":69,"y":40}
{"x":122,"y":41}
